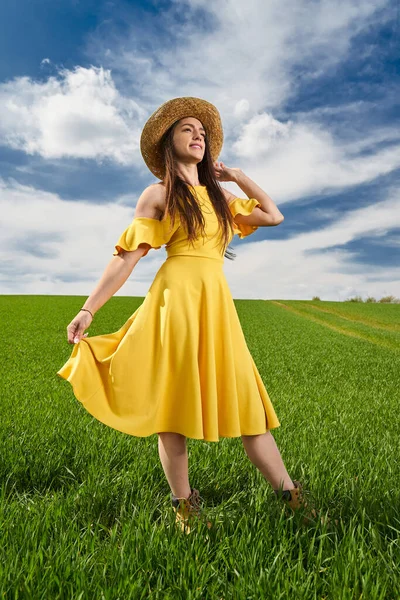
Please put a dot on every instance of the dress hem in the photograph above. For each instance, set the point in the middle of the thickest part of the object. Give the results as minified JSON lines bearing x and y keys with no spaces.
{"x":92,"y":412}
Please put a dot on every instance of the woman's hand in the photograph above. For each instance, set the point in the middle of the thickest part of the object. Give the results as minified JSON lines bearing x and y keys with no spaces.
{"x":77,"y":326}
{"x":224,"y":173}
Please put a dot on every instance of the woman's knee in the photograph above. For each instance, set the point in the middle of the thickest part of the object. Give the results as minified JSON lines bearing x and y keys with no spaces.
{"x":172,"y":439}
{"x":170,"y":434}
{"x":252,"y":437}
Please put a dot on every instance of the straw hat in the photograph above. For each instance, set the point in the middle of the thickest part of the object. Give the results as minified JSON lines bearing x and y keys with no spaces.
{"x":167,"y":114}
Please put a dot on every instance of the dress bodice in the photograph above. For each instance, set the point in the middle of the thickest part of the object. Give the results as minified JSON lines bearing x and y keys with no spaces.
{"x":158,"y":233}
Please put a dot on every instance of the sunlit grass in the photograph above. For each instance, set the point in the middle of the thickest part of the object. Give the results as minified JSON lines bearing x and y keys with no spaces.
{"x":85,"y":510}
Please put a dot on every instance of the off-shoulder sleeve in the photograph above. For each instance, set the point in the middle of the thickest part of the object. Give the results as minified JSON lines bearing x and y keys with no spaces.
{"x":143,"y":230}
{"x":243,"y":206}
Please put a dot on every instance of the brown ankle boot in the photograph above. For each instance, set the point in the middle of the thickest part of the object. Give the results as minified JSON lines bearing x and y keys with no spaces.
{"x":296,"y":501}
{"x":187,"y":510}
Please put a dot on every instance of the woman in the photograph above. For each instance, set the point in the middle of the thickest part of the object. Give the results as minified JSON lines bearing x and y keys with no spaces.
{"x":180,"y":366}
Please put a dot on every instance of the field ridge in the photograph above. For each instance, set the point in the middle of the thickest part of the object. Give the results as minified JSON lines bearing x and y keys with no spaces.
{"x":374,"y":324}
{"x":338,"y":328}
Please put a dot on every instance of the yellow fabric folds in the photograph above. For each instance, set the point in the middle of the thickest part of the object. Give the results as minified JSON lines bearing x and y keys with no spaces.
{"x":142,"y":230}
{"x":243,"y":206}
{"x":180,"y":362}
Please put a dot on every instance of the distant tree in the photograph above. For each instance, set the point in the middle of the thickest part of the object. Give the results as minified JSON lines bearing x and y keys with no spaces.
{"x":355,"y":299}
{"x":387,"y":299}
{"x":316,"y":298}
{"x":370,"y":299}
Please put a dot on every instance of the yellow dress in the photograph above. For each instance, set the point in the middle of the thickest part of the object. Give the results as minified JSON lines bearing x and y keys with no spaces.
{"x":180,"y":363}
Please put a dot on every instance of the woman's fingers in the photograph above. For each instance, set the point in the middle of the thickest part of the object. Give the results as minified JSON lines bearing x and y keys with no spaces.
{"x":77,"y":334}
{"x":78,"y":337}
{"x":76,"y":328}
{"x":72,"y":330}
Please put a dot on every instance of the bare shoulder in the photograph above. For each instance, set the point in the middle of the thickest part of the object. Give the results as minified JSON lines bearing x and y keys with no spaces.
{"x":228,"y":195}
{"x":151,"y":202}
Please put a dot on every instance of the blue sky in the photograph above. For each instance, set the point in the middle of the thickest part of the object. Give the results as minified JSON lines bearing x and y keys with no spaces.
{"x":309,"y":97}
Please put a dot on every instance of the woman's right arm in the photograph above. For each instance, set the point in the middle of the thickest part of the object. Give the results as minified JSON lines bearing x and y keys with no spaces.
{"x":114,"y":276}
{"x":119,"y":268}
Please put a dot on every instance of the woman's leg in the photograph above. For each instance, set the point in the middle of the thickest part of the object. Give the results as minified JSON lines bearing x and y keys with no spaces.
{"x":264,"y":454}
{"x":174,"y":459}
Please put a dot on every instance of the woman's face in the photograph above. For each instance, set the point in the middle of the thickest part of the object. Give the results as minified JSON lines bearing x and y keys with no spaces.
{"x":189,"y":140}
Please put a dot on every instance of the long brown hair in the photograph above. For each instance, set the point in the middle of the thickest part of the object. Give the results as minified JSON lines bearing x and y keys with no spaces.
{"x":189,"y":211}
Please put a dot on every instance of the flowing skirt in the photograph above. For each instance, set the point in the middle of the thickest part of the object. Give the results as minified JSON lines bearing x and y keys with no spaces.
{"x":180,"y":363}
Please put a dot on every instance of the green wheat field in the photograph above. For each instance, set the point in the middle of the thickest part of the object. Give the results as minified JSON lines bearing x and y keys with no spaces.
{"x":85,"y":510}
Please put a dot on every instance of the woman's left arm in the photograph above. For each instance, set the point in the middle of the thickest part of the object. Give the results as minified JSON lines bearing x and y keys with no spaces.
{"x":251,"y":189}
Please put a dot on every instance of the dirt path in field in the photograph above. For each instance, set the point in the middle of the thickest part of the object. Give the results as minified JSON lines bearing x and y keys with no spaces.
{"x":338,"y":329}
{"x":373,"y":324}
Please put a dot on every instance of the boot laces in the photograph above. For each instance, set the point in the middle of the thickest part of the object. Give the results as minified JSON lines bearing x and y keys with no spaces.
{"x":191,"y":505}
{"x":195,"y":501}
{"x":305,"y":501}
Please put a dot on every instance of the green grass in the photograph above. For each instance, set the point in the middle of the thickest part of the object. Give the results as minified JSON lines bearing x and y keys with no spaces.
{"x":85,"y":510}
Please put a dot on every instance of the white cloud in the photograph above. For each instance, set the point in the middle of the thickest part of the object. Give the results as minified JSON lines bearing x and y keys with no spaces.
{"x":292,"y":160}
{"x":80,"y":114}
{"x":251,"y":62}
{"x":310,"y":264}
{"x":241,"y":108}
{"x":254,"y":50}
{"x":52,"y":246}
{"x":56,"y":246}
{"x":261,"y":134}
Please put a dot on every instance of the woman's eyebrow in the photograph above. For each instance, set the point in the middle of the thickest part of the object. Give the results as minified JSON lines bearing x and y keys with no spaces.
{"x":183,"y":125}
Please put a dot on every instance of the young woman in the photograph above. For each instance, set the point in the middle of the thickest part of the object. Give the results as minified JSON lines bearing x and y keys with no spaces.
{"x":180,"y":366}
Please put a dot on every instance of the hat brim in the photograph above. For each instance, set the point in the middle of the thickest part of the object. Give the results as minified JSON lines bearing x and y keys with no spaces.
{"x":165,"y":116}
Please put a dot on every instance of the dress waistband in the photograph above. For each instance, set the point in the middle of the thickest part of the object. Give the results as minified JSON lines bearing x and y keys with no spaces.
{"x":220,"y":260}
